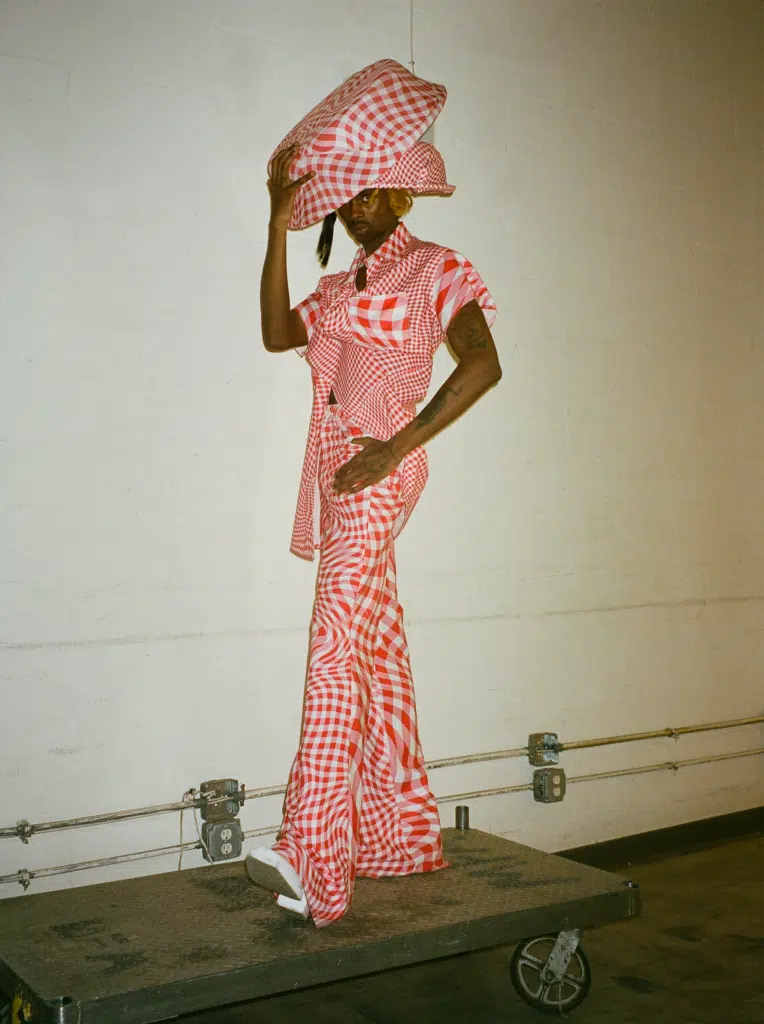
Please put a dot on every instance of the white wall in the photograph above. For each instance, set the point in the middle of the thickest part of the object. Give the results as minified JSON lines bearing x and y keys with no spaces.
{"x":587,"y":557}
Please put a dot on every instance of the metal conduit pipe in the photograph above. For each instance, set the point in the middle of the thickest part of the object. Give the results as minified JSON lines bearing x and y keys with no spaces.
{"x":101,"y":862}
{"x":258,"y":794}
{"x":674,"y":766}
{"x":92,"y":819}
{"x":124,"y":858}
{"x":683,"y":730}
{"x":603,"y":741}
{"x":663,"y":766}
{"x":24,"y":877}
{"x":494,"y":755}
{"x":24,"y":830}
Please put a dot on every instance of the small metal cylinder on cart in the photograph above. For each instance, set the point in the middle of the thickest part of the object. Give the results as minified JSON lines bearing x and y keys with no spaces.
{"x":463,"y":818}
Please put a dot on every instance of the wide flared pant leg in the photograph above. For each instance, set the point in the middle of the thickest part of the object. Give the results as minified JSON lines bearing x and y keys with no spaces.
{"x":359,"y":732}
{"x":400,"y":826}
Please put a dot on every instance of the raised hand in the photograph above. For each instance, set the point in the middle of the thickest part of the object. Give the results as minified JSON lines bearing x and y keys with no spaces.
{"x":281,"y":187}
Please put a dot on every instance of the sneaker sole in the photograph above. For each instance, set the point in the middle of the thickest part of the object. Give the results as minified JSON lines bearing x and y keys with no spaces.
{"x":296,"y":906}
{"x":269,"y":876}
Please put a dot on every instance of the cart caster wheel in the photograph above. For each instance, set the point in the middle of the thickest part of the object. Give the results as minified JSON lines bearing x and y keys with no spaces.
{"x":526,"y":971}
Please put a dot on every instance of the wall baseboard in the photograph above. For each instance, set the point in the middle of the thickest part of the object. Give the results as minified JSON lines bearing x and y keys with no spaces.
{"x":645,"y":847}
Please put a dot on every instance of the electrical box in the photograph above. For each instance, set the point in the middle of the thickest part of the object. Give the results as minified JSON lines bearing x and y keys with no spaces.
{"x":543,"y":748}
{"x":219,"y":803}
{"x":222,"y":840}
{"x":549,"y":785}
{"x":220,"y":799}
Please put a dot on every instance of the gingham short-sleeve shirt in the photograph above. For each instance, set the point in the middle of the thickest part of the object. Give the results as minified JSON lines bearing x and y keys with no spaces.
{"x":374,"y":349}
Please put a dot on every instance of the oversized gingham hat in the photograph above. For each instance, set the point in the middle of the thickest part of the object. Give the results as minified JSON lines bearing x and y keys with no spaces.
{"x":420,"y":170}
{"x":364,"y":135}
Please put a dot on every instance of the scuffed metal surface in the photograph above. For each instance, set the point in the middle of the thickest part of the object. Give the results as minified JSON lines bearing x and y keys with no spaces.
{"x":120,"y":937}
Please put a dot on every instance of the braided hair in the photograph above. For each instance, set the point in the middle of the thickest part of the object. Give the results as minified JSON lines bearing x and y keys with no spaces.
{"x":324,"y":247}
{"x":400,"y":200}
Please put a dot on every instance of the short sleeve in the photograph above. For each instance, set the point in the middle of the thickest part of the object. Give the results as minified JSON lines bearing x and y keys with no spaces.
{"x":309,"y":311}
{"x":457,"y":283}
{"x":313,"y":307}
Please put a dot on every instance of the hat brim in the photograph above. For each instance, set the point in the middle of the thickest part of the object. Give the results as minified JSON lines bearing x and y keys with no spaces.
{"x":420,"y":171}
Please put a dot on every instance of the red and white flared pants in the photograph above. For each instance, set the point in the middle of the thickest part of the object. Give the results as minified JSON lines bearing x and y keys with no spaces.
{"x":358,"y":800}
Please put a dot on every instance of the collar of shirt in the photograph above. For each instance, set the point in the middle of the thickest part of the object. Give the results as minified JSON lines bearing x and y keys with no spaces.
{"x":391,"y":250}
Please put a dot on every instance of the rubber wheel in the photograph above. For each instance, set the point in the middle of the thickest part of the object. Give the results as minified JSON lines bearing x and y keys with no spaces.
{"x":559,"y":997}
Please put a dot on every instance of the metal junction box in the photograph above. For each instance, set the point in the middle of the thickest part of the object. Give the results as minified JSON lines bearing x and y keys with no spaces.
{"x":543,"y":748}
{"x":220,"y":801}
{"x":549,"y":785}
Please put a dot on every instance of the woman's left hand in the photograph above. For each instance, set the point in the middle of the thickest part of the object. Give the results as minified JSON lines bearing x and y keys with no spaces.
{"x":374,"y":463}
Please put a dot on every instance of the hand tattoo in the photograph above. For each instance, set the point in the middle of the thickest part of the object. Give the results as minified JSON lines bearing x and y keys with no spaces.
{"x":372,"y":461}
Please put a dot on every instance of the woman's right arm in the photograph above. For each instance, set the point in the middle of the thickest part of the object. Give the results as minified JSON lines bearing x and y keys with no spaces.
{"x":282,"y":326}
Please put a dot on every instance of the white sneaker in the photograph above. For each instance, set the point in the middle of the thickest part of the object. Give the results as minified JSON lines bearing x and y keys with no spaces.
{"x":296,"y":906}
{"x":267,"y":868}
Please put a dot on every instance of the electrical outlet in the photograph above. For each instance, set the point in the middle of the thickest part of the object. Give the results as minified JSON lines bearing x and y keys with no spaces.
{"x":549,"y":785}
{"x":219,"y":803}
{"x":222,"y":840}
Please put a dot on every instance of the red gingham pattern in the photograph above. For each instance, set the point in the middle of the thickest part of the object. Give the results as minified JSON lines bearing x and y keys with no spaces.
{"x":380,"y":319}
{"x":376,"y":376}
{"x":358,"y":800}
{"x":420,"y":170}
{"x":357,"y":133}
{"x":458,"y":283}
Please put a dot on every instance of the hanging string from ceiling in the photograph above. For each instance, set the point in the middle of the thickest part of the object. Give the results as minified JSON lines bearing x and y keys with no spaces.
{"x":411,"y":37}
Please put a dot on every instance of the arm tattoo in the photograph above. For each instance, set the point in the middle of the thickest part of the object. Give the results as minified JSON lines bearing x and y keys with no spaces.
{"x":433,"y":408}
{"x":471,"y":334}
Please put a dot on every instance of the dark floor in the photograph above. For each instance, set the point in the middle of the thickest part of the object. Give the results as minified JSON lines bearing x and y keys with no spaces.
{"x":696,"y":956}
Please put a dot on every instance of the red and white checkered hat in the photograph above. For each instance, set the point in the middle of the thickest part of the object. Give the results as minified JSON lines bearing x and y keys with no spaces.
{"x":420,"y":170}
{"x":364,"y":135}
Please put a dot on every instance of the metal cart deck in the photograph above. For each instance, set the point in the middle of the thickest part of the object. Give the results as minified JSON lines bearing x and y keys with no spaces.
{"x":148,"y":949}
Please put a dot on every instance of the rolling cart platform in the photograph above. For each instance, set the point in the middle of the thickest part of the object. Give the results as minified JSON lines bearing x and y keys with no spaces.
{"x":153,"y":948}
